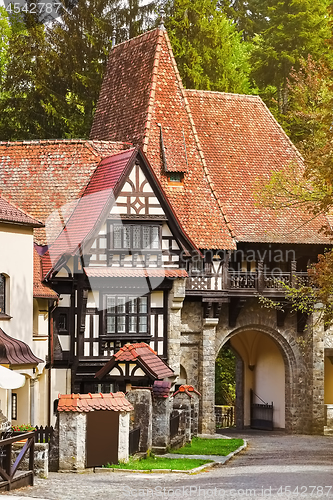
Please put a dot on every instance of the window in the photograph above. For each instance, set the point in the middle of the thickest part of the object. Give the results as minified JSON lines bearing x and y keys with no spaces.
{"x":175,"y":178}
{"x":14,"y":406}
{"x":126,"y":315}
{"x":2,"y":294}
{"x":134,"y":237}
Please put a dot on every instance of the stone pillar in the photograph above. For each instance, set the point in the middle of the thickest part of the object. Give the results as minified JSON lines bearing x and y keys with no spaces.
{"x":123,"y":444}
{"x":182,"y":403}
{"x":72,"y":440}
{"x":161,"y":424}
{"x":176,"y":299}
{"x":318,"y":409}
{"x":141,"y":416}
{"x":195,"y":406}
{"x":207,"y":376}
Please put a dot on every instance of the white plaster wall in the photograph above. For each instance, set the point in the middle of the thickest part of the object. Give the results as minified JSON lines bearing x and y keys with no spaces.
{"x":264,"y":373}
{"x":23,"y":404}
{"x":269,"y":375}
{"x":16,"y":260}
{"x":328,"y":382}
{"x":60,"y":384}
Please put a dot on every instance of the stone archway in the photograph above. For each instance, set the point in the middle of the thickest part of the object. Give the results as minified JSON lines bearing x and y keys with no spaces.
{"x":269,"y":367}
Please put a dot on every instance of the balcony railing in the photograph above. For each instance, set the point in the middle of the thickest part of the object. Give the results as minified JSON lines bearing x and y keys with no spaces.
{"x":238,"y":281}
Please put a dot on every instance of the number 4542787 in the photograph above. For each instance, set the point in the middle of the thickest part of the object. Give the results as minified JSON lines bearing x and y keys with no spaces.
{"x":33,"y":8}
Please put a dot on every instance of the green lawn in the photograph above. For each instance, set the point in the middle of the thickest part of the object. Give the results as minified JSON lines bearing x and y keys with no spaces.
{"x":201,"y":446}
{"x":150,"y":463}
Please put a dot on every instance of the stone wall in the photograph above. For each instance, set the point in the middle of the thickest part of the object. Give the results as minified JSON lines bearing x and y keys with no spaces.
{"x":303,"y":355}
{"x":41,"y":456}
{"x":123,"y":441}
{"x":162,"y":408}
{"x":141,"y":416}
{"x":72,"y":441}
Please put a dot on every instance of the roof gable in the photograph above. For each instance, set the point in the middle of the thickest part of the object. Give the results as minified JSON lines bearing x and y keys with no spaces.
{"x":93,"y":205}
{"x":97,"y":201}
{"x":142,"y":95}
{"x":145,"y":358}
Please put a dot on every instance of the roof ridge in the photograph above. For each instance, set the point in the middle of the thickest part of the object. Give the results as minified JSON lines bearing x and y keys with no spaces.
{"x":135,"y":38}
{"x":195,"y":134}
{"x":60,"y":141}
{"x":152,"y":91}
{"x":231,"y":94}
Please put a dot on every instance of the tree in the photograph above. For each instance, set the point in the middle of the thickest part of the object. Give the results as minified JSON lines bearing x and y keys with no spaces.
{"x":225,"y":377}
{"x":207,"y":46}
{"x":310,"y":185}
{"x":55,"y":72}
{"x":296,"y":28}
{"x":250,"y":16}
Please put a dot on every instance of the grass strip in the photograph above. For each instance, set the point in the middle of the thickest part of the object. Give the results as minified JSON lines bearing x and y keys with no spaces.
{"x":150,"y":463}
{"x":202,"y":446}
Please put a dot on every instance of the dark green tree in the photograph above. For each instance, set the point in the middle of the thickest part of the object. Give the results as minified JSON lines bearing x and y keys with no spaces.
{"x":208,"y":48}
{"x":250,"y":16}
{"x":54,"y":74}
{"x":296,"y":29}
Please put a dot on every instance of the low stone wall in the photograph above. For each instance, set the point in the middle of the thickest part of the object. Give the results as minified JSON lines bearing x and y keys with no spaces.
{"x":41,"y":464}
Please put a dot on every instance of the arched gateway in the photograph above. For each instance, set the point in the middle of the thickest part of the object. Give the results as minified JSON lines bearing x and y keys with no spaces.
{"x":277,"y":362}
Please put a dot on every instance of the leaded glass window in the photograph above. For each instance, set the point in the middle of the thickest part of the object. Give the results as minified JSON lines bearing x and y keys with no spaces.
{"x":126,"y":315}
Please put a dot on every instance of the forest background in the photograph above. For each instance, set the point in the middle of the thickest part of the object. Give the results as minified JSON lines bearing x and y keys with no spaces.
{"x":51,"y":71}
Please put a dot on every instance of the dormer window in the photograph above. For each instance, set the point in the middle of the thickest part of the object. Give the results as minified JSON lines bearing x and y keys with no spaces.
{"x":175,"y":178}
{"x":134,"y":237}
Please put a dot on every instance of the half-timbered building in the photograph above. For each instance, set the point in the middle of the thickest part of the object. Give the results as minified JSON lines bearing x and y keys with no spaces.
{"x":153,"y":236}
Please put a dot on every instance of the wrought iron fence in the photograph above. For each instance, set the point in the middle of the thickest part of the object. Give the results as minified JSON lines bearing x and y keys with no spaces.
{"x":174,"y":426}
{"x":134,"y":440}
{"x":44,"y":434}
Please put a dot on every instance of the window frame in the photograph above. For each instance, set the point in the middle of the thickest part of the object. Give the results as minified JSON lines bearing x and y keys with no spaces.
{"x":130,"y":227}
{"x":127,"y":314}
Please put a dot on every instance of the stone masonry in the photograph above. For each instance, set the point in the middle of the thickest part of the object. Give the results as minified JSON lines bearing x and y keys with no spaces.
{"x":201,"y":339}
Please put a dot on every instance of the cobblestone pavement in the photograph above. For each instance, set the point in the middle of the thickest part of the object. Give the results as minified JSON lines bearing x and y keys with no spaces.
{"x":273,"y":465}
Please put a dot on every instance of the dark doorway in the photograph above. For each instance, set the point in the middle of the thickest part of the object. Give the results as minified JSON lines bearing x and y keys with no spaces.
{"x":102,"y":437}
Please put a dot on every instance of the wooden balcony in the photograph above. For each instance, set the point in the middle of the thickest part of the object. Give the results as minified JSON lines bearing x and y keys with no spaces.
{"x":233,"y":283}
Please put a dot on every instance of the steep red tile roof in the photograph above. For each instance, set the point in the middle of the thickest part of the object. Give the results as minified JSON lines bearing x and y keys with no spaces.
{"x":42,"y":176}
{"x":89,"y":210}
{"x":141,"y":90}
{"x":142,"y":354}
{"x":91,"y":402}
{"x":242,"y":143}
{"x":16,"y":352}
{"x":123,"y":272}
{"x":11,"y":214}
{"x":41,"y":291}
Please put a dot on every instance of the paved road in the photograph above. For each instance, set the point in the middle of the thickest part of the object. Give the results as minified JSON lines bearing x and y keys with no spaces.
{"x":273,"y":465}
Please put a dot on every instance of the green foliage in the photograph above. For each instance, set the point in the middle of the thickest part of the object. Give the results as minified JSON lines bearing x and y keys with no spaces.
{"x":203,"y":446}
{"x":295,"y":29}
{"x":209,"y":51}
{"x":23,"y":428}
{"x":54,"y":74}
{"x":250,"y":16}
{"x":225,"y":377}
